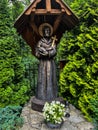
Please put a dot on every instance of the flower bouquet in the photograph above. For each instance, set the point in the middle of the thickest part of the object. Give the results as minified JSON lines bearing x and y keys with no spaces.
{"x":54,"y":114}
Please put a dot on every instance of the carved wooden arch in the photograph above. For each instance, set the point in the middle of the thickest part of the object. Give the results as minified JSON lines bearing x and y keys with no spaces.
{"x":63,"y":7}
{"x":48,"y":8}
{"x":55,"y":12}
{"x":28,"y":12}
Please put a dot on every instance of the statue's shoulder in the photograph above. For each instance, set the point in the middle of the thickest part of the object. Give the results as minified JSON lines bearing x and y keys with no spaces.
{"x":40,"y":42}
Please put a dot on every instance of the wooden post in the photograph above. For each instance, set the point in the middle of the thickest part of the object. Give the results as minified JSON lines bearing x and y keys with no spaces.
{"x":48,"y":5}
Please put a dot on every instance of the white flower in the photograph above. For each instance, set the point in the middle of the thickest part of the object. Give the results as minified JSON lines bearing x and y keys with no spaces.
{"x":57,"y":102}
{"x":54,"y":112}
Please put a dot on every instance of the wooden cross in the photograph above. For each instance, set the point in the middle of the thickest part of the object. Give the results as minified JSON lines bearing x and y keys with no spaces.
{"x":54,"y":39}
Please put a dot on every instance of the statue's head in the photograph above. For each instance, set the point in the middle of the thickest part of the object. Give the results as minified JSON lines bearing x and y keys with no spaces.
{"x":45,"y":30}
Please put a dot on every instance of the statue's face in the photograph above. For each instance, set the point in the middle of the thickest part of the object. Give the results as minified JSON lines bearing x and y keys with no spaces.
{"x":46,"y":32}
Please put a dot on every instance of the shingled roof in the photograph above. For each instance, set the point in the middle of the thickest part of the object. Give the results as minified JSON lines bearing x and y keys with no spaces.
{"x":55,"y":12}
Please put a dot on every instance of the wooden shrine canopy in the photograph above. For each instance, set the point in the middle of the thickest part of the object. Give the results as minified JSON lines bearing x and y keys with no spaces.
{"x":54,"y":12}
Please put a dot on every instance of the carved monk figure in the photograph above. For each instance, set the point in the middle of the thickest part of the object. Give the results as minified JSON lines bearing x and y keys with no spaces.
{"x":45,"y":52}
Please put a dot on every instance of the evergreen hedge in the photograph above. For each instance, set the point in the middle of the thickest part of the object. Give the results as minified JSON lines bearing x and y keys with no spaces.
{"x":14,"y":88}
{"x":79,"y":48}
{"x":10,"y":118}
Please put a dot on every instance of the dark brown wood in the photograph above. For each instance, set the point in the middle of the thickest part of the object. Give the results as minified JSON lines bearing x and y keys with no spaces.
{"x":46,"y":12}
{"x":62,"y":63}
{"x":32,"y":24}
{"x":33,"y":6}
{"x":64,"y":7}
{"x":57,"y":22}
{"x":59,"y":15}
{"x":48,"y":5}
{"x":35,"y":29}
{"x":38,"y":105}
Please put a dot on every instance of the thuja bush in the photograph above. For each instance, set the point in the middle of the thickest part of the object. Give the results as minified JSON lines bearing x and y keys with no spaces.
{"x":14,"y":88}
{"x":94,"y":107}
{"x":79,"y":48}
{"x":10,"y":118}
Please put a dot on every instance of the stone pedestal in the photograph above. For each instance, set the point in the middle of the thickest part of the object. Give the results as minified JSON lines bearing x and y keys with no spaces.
{"x":37,"y":104}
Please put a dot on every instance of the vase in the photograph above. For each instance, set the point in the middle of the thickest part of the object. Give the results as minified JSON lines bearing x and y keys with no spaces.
{"x":54,"y":126}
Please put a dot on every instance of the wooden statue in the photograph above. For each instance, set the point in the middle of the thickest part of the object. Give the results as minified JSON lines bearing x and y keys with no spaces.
{"x":45,"y":52}
{"x":42,"y":20}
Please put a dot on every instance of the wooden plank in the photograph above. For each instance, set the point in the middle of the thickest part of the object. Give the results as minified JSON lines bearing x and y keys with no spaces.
{"x":68,"y":20}
{"x":44,"y":11}
{"x":39,"y":11}
{"x":56,"y":11}
{"x":68,"y":12}
{"x":34,"y":27}
{"x":32,"y":24}
{"x":48,"y":5}
{"x":57,"y":22}
{"x":28,"y":11}
{"x":32,"y":7}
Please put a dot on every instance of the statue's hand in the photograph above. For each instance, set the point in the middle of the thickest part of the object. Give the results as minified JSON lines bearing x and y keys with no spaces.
{"x":43,"y":52}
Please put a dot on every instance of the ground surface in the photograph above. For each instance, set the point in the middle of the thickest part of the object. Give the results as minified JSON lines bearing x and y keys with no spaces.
{"x":34,"y":120}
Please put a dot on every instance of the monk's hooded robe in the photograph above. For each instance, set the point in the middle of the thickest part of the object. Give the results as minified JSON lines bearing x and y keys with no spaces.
{"x":47,"y":83}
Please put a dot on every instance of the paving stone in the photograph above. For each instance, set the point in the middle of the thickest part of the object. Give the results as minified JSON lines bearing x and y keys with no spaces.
{"x":68,"y":126}
{"x":25,"y":110}
{"x":85,"y":126}
{"x":73,"y":109}
{"x":35,"y":119}
{"x":75,"y":119}
{"x":35,"y":112}
{"x":44,"y":127}
{"x":25,"y":119}
{"x":25,"y":127}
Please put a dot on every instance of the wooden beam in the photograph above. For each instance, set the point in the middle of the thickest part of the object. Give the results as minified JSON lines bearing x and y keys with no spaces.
{"x":48,"y":5}
{"x":33,"y":6}
{"x":64,"y":7}
{"x":69,"y":21}
{"x":39,"y":11}
{"x":32,"y":24}
{"x":57,"y":22}
{"x":44,"y":11}
{"x":34,"y":27}
{"x":57,"y":11}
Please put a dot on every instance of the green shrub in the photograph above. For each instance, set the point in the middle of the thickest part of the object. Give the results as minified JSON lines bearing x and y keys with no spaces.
{"x":79,"y":48}
{"x":14,"y":88}
{"x":10,"y":118}
{"x":94,"y":104}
